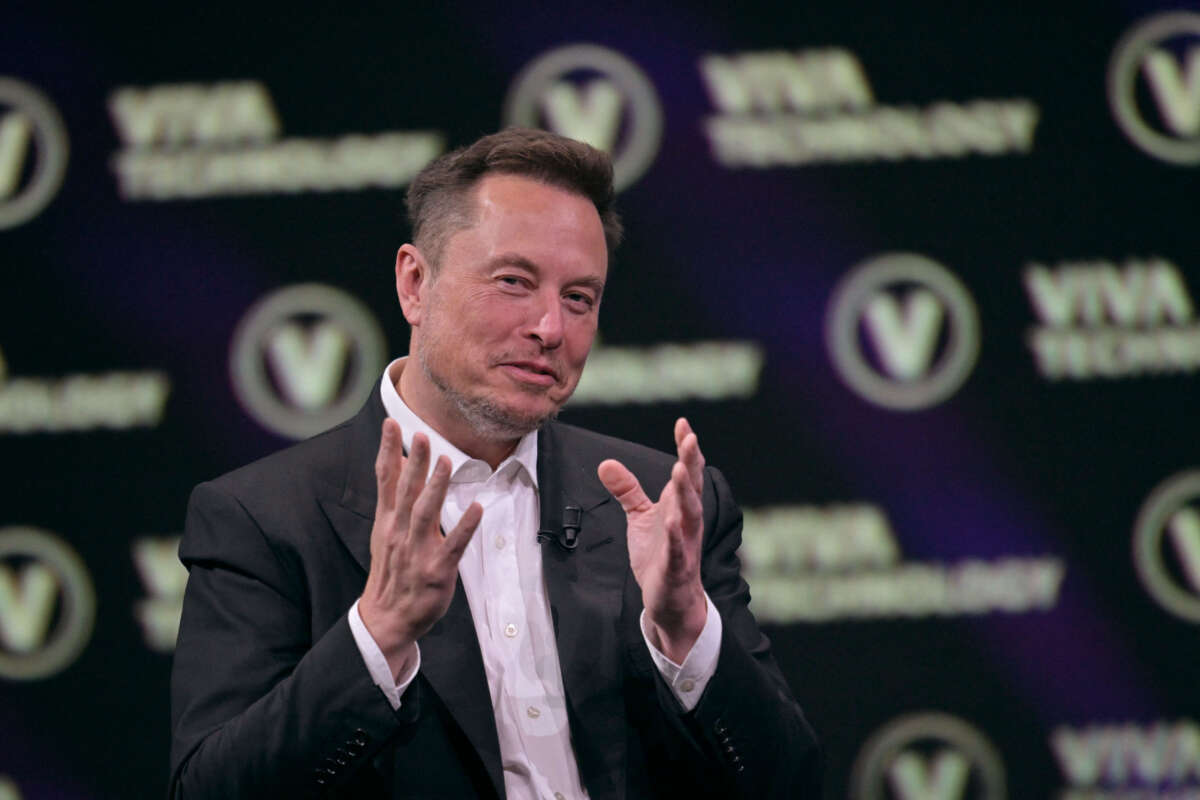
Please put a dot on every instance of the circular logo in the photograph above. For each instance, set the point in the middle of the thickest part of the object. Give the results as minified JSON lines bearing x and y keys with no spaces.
{"x":888,"y":321}
{"x":1166,"y":545}
{"x":47,"y":604}
{"x":595,"y":95}
{"x":305,"y":358}
{"x":33,"y":152}
{"x":928,"y":755}
{"x":1152,"y":68}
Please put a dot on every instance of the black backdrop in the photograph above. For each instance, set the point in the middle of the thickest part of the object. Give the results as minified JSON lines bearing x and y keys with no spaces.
{"x":973,"y":548}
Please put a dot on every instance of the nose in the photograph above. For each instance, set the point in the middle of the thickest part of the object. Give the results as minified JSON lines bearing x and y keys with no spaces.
{"x":547,"y":324}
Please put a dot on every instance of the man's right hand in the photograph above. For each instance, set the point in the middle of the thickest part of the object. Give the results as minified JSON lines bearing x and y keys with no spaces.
{"x":413,"y":567}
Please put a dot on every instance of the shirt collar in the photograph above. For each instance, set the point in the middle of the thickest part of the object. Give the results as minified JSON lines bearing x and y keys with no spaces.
{"x":525,"y":454}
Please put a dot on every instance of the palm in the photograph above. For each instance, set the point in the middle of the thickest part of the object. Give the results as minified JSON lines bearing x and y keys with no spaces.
{"x":662,"y":574}
{"x":665,"y":539}
{"x":413,"y":567}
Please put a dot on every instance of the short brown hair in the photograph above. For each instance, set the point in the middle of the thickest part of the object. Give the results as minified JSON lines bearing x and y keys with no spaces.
{"x":437,"y":197}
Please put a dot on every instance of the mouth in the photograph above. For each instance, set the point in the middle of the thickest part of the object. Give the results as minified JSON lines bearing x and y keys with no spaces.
{"x":532,"y":372}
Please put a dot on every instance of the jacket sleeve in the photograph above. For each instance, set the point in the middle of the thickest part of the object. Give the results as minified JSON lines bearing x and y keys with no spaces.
{"x":747,"y":720}
{"x":261,"y":704}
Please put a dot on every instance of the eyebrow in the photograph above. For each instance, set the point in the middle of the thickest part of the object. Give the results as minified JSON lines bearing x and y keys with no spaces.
{"x":517,"y":260}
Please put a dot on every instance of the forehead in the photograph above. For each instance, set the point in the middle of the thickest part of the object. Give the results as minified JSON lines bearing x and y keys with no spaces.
{"x":539,"y":221}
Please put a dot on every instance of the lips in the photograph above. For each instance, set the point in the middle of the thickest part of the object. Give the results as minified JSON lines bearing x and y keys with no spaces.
{"x":535,"y":372}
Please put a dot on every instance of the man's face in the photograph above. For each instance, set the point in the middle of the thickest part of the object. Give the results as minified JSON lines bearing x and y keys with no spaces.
{"x":505,"y":327}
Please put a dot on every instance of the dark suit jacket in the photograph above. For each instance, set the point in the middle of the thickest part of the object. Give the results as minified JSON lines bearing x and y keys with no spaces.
{"x":271,"y":698}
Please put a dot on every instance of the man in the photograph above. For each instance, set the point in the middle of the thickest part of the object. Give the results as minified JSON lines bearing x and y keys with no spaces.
{"x":498,"y":607}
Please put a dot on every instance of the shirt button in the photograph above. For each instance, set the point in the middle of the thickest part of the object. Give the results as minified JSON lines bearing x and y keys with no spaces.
{"x":500,"y":542}
{"x":510,"y":630}
{"x":534,"y":712}
{"x":687,"y":685}
{"x":559,"y":796}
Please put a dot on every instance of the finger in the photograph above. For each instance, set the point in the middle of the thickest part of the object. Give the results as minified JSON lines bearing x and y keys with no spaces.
{"x":458,"y":539}
{"x":673,"y":518}
{"x":690,"y":508}
{"x":617,"y":478}
{"x":427,"y":511}
{"x":682,"y":429}
{"x":688,"y":446}
{"x":388,"y":465}
{"x":412,"y":479}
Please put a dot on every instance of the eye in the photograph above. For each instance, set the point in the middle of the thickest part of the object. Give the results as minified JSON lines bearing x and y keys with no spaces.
{"x":580,"y":302}
{"x":512,"y":280}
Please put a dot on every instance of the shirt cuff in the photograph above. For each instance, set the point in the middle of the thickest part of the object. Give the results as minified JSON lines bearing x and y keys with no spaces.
{"x":376,"y":662}
{"x":688,"y":680}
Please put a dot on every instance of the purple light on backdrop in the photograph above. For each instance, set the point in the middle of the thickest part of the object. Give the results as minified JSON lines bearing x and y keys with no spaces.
{"x":182,"y":290}
{"x":792,"y":236}
{"x":900,"y":461}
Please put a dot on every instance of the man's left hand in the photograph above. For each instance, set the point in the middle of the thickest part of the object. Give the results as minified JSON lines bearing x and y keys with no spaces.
{"x":664,"y":544}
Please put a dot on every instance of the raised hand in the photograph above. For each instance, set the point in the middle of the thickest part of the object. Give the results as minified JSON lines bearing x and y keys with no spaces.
{"x":413,"y":567}
{"x":665,"y":542}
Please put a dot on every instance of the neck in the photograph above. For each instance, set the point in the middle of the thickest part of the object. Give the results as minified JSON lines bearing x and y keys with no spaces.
{"x":426,"y":401}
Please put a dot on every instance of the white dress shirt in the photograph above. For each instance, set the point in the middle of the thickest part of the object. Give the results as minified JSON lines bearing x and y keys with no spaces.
{"x":501,"y":572}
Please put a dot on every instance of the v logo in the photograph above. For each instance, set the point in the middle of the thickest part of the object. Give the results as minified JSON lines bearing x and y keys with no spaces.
{"x":1184,"y":530}
{"x":591,"y":114}
{"x":309,"y":365}
{"x":27,"y":602}
{"x":1176,"y":90}
{"x":912,"y":778}
{"x":15,"y":129}
{"x":904,"y":338}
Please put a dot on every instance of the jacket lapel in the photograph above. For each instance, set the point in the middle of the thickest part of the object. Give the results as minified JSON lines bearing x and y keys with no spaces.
{"x":585,"y":588}
{"x":450,"y":659}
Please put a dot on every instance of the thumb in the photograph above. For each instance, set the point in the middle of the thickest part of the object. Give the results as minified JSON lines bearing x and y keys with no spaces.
{"x":623,"y":485}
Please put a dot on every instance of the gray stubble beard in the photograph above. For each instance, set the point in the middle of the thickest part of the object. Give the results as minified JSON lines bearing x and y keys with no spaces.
{"x":487,"y":418}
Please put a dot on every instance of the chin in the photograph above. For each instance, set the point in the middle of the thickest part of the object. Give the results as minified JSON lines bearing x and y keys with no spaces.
{"x":500,"y":418}
{"x":532,"y":414}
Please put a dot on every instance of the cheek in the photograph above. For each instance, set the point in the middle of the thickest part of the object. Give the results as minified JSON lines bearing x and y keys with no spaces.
{"x":497,"y":308}
{"x":488,"y":327}
{"x":579,"y":342}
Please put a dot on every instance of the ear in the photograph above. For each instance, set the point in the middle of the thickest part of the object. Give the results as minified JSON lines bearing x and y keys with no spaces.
{"x":412,"y":281}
